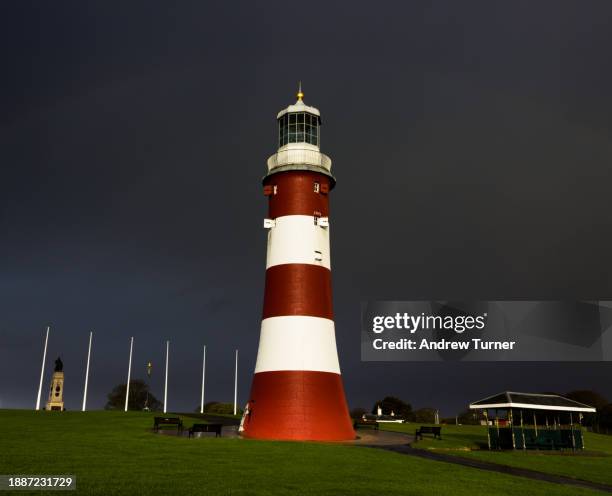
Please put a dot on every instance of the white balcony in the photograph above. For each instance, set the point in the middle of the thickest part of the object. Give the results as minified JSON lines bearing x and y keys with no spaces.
{"x":299,"y":156}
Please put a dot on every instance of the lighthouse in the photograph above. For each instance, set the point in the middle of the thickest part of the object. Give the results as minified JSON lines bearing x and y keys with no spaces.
{"x":297,"y":391}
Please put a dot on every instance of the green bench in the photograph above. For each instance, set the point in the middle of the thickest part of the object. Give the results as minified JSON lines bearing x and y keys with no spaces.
{"x":216,"y":428}
{"x":366,"y":423}
{"x":426,"y":429}
{"x":171,"y":421}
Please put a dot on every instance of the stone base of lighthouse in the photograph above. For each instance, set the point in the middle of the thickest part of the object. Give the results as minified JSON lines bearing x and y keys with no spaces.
{"x":298,"y":405}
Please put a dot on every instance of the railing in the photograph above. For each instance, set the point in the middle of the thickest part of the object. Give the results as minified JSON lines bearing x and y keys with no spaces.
{"x":299,"y":156}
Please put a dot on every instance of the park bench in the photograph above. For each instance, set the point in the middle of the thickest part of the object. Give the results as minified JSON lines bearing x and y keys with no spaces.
{"x":365,"y":422}
{"x":175,"y":421}
{"x":216,"y":428}
{"x":425,"y":429}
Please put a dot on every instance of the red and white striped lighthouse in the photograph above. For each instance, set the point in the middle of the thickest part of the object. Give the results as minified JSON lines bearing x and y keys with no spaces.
{"x":297,"y":390}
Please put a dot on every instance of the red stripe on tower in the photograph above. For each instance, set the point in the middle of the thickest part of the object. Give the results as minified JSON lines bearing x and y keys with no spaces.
{"x":297,"y":390}
{"x":298,"y":289}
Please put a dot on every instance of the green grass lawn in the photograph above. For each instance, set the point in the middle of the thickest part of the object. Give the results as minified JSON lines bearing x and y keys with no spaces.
{"x":593,"y":464}
{"x":115,"y":453}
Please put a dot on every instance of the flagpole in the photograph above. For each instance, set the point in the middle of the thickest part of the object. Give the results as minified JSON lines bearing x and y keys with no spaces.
{"x":127,"y":389}
{"x":203,"y":379}
{"x":236,"y":384}
{"x":166,"y":382}
{"x":87,"y":371}
{"x":42,"y":371}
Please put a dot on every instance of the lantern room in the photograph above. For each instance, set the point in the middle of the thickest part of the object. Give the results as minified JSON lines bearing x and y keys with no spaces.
{"x":299,"y":141}
{"x":299,"y":123}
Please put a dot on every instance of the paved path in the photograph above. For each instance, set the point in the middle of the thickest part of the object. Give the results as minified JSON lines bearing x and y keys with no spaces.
{"x":379,"y":439}
{"x":400,"y":443}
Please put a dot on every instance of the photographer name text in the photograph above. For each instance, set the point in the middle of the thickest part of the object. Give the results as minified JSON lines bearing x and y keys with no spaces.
{"x":423,"y":322}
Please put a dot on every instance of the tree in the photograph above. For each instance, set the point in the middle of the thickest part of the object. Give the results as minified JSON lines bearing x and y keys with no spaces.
{"x":136,"y":400}
{"x":470,"y":417}
{"x":590,"y":398}
{"x":357,"y":413}
{"x":218,"y":407}
{"x":392,"y":404}
{"x":605,"y":417}
{"x":425,"y":415}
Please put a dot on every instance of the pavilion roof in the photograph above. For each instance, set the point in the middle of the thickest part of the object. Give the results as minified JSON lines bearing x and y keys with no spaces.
{"x":530,"y":401}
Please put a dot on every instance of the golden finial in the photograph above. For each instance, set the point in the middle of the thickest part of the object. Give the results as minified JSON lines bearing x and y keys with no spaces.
{"x":300,"y":95}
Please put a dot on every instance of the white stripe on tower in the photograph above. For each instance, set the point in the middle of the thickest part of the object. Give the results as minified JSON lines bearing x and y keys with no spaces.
{"x":296,"y":239}
{"x":297,"y":343}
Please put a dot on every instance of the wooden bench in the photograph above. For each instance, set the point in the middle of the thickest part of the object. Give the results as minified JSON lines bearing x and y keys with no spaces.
{"x":174,"y":421}
{"x":424,"y":429}
{"x":216,"y":428}
{"x":371,"y":423}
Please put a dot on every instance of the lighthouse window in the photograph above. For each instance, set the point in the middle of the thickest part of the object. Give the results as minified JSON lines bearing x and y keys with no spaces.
{"x":283,"y":130}
{"x":298,"y":128}
{"x":312,"y":130}
{"x":299,"y":137}
{"x":292,"y":128}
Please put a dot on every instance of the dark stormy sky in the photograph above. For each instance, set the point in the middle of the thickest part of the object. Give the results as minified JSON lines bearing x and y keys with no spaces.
{"x":471,"y":142}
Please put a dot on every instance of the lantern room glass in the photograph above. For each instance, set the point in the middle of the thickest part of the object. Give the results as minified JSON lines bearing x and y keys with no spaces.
{"x":298,"y":127}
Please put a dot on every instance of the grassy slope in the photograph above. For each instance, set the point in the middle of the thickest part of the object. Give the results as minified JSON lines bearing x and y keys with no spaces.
{"x":594,"y":464}
{"x":114,"y":453}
